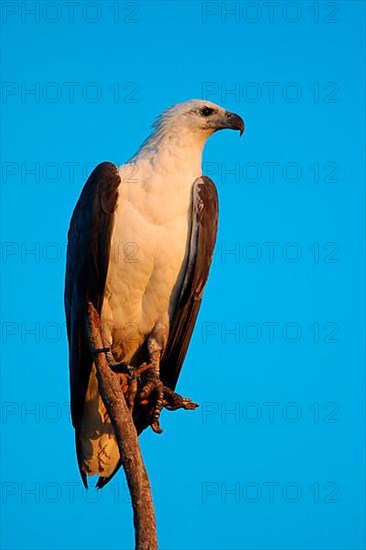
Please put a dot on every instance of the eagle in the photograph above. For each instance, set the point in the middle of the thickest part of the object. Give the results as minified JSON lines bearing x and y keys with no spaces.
{"x":140,"y":245}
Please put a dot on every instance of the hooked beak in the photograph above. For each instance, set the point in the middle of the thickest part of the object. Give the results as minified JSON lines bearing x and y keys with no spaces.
{"x":234,"y":122}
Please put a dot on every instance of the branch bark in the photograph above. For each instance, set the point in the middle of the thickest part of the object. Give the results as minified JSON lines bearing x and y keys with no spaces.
{"x":126,"y":435}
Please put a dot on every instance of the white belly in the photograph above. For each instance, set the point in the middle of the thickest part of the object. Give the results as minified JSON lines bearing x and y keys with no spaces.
{"x":149,"y":247}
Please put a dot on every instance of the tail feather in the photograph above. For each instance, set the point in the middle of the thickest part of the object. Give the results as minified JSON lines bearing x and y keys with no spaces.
{"x":102,"y":481}
{"x":140,"y":424}
{"x":96,"y":445}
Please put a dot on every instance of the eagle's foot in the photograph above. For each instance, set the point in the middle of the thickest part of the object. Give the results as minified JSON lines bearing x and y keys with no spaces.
{"x":157,"y":395}
{"x":174,"y":401}
{"x":118,"y":367}
{"x":152,"y":392}
{"x":121,"y":368}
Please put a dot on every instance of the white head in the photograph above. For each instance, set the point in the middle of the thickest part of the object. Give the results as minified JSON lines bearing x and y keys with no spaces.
{"x":190,"y":124}
{"x":199,"y":117}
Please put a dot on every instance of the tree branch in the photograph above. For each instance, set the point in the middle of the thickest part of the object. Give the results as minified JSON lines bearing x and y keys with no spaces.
{"x":126,"y":435}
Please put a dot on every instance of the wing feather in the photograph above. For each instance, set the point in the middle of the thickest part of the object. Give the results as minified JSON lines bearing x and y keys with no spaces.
{"x":204,"y":220}
{"x":88,"y":251}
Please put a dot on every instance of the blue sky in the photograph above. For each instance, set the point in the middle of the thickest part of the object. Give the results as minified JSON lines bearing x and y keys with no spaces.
{"x":280,"y":337}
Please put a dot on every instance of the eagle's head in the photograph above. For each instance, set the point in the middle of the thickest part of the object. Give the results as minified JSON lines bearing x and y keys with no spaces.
{"x":183,"y":130}
{"x":199,"y":117}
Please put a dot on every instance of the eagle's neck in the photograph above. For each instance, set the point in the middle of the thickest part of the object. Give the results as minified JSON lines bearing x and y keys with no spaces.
{"x":172,"y":150}
{"x":165,"y":169}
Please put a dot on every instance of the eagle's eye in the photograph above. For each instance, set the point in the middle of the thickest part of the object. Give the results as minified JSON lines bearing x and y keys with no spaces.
{"x":207,"y":111}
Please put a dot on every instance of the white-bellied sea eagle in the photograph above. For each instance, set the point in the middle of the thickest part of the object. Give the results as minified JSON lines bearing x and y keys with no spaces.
{"x":140,"y":245}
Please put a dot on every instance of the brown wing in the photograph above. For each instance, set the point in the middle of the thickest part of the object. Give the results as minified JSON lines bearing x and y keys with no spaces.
{"x":88,"y":249}
{"x":203,"y":233}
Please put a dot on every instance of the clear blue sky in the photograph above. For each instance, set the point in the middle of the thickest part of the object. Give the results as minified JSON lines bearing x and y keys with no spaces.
{"x":285,"y":471}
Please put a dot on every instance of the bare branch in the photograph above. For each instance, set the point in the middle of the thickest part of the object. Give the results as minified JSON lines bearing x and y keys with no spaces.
{"x":126,"y":435}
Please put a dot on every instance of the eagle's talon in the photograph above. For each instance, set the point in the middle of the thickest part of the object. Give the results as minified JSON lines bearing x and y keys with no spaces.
{"x":151,"y":384}
{"x":156,"y":427}
{"x":144,"y":367}
{"x":152,"y":393}
{"x":175,"y":401}
{"x":159,"y":402}
{"x":189,"y":405}
{"x":122,"y":368}
{"x":158,"y":396}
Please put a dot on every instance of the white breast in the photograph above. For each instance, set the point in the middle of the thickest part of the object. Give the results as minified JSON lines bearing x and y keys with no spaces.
{"x":149,"y":245}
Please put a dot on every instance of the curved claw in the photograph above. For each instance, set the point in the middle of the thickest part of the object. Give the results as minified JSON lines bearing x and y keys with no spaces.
{"x":184,"y":403}
{"x":122,"y":368}
{"x":153,"y":385}
{"x":158,"y":396}
{"x":174,"y":401}
{"x":156,"y":427}
{"x":148,"y":388}
{"x":159,"y":404}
